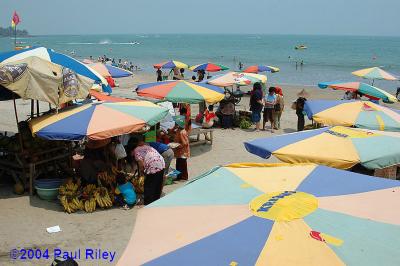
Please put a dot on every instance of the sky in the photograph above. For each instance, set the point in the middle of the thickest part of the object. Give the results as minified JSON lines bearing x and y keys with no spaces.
{"x":327,"y":17}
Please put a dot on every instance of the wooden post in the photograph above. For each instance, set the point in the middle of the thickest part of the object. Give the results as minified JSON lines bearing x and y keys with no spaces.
{"x":16,"y":118}
{"x":31,"y":177}
{"x":15,"y":37}
{"x":32,"y":108}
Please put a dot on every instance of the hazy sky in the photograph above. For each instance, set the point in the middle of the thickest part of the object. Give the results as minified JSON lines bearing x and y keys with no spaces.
{"x":349,"y":17}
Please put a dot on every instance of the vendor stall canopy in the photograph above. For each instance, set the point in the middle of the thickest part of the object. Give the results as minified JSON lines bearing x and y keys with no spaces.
{"x":57,"y":58}
{"x":98,"y":121}
{"x":271,"y":214}
{"x":38,"y":79}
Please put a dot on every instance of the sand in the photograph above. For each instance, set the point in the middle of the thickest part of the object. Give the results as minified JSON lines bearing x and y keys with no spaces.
{"x":24,"y":219}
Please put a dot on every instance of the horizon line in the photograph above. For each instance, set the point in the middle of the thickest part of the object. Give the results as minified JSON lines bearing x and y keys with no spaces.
{"x":215,"y":33}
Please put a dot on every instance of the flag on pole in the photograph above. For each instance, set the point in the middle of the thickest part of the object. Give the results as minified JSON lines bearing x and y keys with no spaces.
{"x":15,"y":20}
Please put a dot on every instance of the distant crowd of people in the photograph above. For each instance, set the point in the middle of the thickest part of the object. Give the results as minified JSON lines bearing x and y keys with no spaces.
{"x":124,"y":64}
{"x":178,"y":74}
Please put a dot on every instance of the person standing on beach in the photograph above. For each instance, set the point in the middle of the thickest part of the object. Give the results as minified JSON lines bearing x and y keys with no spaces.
{"x":240,"y":65}
{"x":299,"y":104}
{"x":278,"y":108}
{"x":159,"y":75}
{"x":398,"y":93}
{"x":269,"y":105}
{"x":227,"y":111}
{"x":256,"y":104}
{"x":182,"y":152}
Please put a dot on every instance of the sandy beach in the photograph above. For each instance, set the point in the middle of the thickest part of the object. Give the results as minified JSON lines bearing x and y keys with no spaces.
{"x":24,"y":219}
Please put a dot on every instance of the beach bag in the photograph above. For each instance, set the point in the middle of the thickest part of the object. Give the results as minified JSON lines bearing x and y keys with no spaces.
{"x":294,"y":105}
{"x":120,"y":152}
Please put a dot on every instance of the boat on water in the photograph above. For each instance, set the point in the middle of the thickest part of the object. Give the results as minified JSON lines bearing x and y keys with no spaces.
{"x":20,"y":47}
{"x":300,"y":47}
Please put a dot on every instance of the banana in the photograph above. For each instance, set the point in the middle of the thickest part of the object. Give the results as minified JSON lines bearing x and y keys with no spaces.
{"x":87,"y":206}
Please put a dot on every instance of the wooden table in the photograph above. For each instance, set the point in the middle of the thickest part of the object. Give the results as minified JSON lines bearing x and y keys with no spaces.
{"x":21,"y":166}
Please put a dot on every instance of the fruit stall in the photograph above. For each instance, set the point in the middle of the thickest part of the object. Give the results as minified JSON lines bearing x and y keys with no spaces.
{"x":24,"y":158}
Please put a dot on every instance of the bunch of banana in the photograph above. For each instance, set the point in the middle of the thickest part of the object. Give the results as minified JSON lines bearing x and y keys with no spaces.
{"x":106,"y":178}
{"x":69,"y":189}
{"x":114,"y":170}
{"x":89,"y":189}
{"x":71,"y":204}
{"x":102,"y":198}
{"x":90,"y":205}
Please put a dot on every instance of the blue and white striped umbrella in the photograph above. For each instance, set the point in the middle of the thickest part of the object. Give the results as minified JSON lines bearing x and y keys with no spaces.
{"x":57,"y":58}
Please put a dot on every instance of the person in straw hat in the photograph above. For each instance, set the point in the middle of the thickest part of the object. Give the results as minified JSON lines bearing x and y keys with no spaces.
{"x":299,"y":106}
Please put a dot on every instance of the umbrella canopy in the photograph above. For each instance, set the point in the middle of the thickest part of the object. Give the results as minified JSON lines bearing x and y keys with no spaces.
{"x":235,"y":78}
{"x":38,"y":79}
{"x":110,"y":71}
{"x":57,"y":58}
{"x":181,"y":91}
{"x":374,"y":73}
{"x":271,"y":214}
{"x":107,"y":98}
{"x":171,"y":64}
{"x":260,"y":68}
{"x":209,"y":67}
{"x":368,"y":90}
{"x":97,"y":121}
{"x":361,"y":114}
{"x":339,"y":147}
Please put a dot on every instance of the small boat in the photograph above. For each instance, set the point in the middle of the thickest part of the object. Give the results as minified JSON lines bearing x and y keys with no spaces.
{"x":19,"y":47}
{"x":300,"y":47}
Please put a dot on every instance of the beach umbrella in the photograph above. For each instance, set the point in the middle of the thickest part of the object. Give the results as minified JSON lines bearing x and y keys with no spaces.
{"x":236,"y":78}
{"x":180,"y":91}
{"x":110,"y":71}
{"x":38,"y":79}
{"x":107,"y":98}
{"x":171,"y":64}
{"x":209,"y":67}
{"x":339,"y":147}
{"x":271,"y":214}
{"x":374,"y":73}
{"x":260,"y":68}
{"x":97,"y":121}
{"x":361,"y":114}
{"x":57,"y":58}
{"x":367,"y":90}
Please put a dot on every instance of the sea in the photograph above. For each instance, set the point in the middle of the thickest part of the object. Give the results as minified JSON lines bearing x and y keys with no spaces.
{"x":327,"y":58}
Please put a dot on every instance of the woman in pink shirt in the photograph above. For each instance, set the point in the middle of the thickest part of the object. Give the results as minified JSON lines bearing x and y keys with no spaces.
{"x":151,"y":165}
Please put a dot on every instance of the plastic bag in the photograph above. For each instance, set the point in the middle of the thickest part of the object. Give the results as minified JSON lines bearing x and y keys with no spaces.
{"x":120,"y":152}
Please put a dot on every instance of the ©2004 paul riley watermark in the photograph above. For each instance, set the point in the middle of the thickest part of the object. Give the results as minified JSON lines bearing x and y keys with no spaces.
{"x":84,"y":254}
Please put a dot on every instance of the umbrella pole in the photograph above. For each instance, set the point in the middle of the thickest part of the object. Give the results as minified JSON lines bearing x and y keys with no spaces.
{"x":32,"y":108}
{"x":37,"y":107}
{"x":16,"y":118}
{"x":373,"y":82}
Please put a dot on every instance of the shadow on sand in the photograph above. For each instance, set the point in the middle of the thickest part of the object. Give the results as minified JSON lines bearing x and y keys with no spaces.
{"x":289,"y":130}
{"x":200,"y":149}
